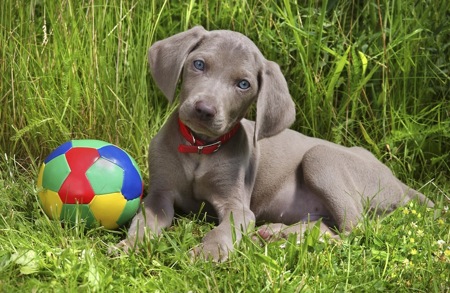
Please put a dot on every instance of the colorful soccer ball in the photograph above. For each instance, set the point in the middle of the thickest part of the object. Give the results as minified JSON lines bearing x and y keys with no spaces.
{"x":91,"y":180}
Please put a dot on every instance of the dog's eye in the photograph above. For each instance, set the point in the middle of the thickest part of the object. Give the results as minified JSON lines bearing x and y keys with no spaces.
{"x":243,"y":84}
{"x":199,"y":65}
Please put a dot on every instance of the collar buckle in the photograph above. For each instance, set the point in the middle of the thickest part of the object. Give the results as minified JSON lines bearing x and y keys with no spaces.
{"x":215,"y":145}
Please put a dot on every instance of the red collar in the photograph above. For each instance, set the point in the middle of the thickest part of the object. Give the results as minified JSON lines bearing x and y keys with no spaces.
{"x":198,"y":146}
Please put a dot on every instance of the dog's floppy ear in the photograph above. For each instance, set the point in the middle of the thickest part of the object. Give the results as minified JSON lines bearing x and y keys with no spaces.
{"x":275,"y":110}
{"x":166,"y":58}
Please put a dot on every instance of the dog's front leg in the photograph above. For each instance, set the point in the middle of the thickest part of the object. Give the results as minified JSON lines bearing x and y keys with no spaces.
{"x":156,"y":214}
{"x":234,"y":221}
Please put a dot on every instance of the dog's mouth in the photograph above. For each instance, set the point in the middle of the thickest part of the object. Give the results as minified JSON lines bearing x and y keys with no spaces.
{"x":206,"y":127}
{"x":201,"y":129}
{"x":206,"y":131}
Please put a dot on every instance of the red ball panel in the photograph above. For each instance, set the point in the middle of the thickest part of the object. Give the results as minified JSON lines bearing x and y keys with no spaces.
{"x":76,"y":188}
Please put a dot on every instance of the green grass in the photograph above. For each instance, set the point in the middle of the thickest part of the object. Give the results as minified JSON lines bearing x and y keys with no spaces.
{"x":371,"y":73}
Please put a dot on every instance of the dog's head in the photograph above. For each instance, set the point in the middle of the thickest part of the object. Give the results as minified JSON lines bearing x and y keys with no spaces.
{"x":223,"y":73}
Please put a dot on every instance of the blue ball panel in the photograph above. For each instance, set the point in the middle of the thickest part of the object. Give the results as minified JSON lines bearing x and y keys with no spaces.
{"x":115,"y":155}
{"x":132,"y":182}
{"x":62,"y":149}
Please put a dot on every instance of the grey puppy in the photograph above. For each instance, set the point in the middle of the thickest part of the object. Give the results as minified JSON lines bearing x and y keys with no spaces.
{"x":246,"y":172}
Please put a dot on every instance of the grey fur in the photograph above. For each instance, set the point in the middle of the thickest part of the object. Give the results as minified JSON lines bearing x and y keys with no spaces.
{"x":266,"y":173}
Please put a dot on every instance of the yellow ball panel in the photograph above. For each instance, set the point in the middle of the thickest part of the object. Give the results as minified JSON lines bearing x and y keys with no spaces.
{"x":40,"y":176}
{"x":107,"y":209}
{"x":51,"y":203}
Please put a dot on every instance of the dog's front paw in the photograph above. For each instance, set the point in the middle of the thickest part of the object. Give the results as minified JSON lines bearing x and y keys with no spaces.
{"x":125,"y":246}
{"x":270,"y":233}
{"x":211,"y":251}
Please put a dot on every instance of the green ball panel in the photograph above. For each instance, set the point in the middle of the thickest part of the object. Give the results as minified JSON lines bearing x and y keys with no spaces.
{"x":55,"y":172}
{"x":92,"y":143}
{"x":129,"y":211}
{"x":73,"y":213}
{"x":105,"y":177}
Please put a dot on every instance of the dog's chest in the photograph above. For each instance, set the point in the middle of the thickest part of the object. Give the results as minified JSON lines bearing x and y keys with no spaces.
{"x":201,"y":178}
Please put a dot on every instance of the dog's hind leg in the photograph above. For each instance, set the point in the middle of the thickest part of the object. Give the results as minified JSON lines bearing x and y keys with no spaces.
{"x":350,"y":181}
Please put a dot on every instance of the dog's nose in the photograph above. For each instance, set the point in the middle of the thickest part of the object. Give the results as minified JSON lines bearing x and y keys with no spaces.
{"x":205,"y":111}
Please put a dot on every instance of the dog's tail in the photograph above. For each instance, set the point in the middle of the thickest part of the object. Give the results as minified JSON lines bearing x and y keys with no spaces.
{"x":420,"y":197}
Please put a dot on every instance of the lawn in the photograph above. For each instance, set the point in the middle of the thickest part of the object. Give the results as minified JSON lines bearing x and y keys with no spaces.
{"x":370,"y":73}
